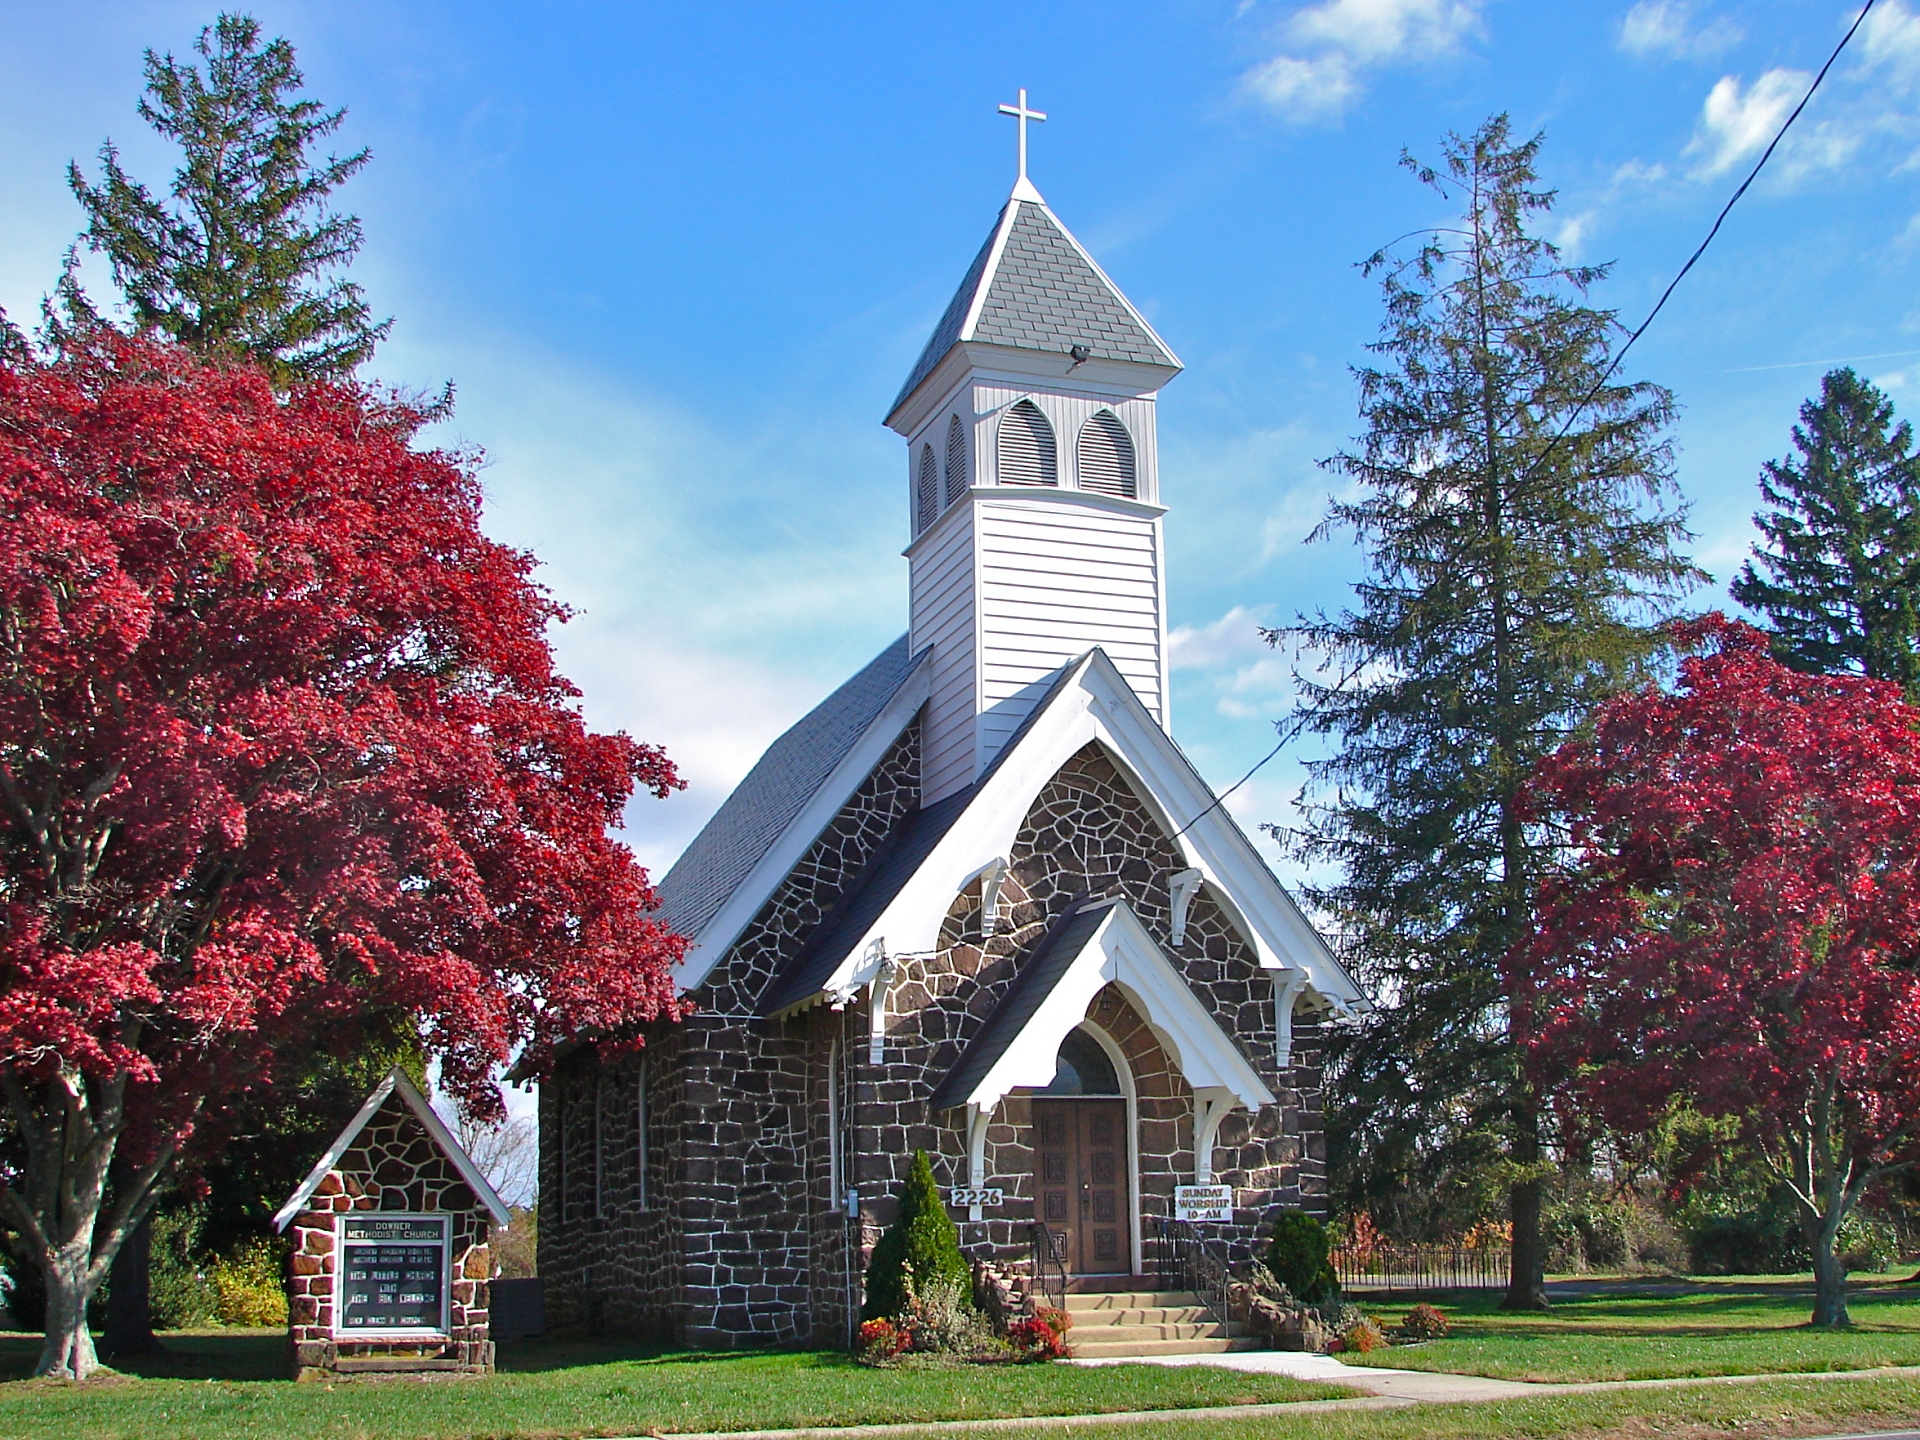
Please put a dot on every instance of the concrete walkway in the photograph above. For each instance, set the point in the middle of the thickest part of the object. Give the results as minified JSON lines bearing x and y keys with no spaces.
{"x":1442,"y":1387}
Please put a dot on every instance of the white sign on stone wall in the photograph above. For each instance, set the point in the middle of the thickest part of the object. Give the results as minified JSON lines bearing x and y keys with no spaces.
{"x":991,"y":1197}
{"x":1203,"y":1203}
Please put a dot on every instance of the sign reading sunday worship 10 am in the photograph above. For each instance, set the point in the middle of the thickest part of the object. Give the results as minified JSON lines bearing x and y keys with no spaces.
{"x":1203,"y":1204}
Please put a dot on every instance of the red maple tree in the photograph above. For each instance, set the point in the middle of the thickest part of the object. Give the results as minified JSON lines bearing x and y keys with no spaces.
{"x":282,"y":750}
{"x":1742,"y":922}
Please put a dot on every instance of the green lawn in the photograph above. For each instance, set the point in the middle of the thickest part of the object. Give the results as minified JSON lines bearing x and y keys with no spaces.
{"x":221,"y":1387}
{"x":1745,"y":1326}
{"x":1764,"y":1410}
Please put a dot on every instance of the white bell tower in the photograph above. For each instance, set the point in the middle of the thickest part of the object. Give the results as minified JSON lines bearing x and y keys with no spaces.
{"x":1033,"y":486}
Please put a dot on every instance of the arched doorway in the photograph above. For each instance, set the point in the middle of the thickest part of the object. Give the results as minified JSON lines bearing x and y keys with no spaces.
{"x":1081,"y":1169}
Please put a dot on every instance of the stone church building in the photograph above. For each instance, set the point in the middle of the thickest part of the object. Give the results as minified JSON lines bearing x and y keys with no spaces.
{"x":977,"y":902}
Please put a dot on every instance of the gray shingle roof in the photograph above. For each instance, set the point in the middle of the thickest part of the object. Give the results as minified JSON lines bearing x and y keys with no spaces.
{"x":1051,"y":959}
{"x":886,"y":874}
{"x":764,"y":804}
{"x":1042,"y":294}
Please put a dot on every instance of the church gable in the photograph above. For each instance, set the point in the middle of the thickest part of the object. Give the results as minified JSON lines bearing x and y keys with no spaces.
{"x":824,"y":878}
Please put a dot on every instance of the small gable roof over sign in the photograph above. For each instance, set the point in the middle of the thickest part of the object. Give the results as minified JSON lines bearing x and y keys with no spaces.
{"x":396,"y":1083}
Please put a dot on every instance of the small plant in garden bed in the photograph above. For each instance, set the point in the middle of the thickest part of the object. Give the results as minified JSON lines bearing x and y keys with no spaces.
{"x":1423,"y":1322}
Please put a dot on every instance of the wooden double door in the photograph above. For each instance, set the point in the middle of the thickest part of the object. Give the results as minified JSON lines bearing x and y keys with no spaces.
{"x":1080,"y":1182}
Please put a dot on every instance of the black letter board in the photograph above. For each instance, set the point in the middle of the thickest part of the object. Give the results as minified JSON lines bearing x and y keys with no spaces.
{"x":393,"y":1274}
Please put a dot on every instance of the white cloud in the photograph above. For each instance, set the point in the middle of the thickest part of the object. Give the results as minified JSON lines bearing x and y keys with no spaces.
{"x":1231,"y":638}
{"x":1737,"y":121}
{"x":1570,"y":232}
{"x":1329,"y":46}
{"x":1666,"y":27}
{"x":1306,"y":89}
{"x":1890,"y":40}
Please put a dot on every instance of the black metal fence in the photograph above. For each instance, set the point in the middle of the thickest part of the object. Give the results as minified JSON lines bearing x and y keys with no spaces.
{"x":1416,"y":1268}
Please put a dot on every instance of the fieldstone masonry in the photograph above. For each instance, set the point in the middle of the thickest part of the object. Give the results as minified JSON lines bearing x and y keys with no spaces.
{"x":394,"y":1165}
{"x":743,"y":1237}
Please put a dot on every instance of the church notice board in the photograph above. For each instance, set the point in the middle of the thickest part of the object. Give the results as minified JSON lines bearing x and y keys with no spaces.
{"x":393,"y":1274}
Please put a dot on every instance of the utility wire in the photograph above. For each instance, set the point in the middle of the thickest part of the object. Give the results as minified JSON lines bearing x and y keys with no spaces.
{"x":1619,"y":355}
{"x":1693,"y":259}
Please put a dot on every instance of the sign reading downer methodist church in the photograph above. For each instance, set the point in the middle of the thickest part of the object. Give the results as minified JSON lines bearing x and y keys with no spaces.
{"x":393,"y":1275}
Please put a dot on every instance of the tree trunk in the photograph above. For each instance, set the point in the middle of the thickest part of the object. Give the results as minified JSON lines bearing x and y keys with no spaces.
{"x":129,"y":1327}
{"x":1527,"y":1279}
{"x":1829,"y":1278}
{"x":67,"y":1352}
{"x":1527,"y":1283}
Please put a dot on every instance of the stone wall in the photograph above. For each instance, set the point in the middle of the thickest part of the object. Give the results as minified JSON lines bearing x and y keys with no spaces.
{"x":393,"y":1165}
{"x":737,"y":1260}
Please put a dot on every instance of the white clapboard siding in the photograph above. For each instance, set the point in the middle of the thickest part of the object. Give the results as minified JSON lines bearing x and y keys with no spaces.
{"x":1056,"y":579}
{"x":943,"y":614}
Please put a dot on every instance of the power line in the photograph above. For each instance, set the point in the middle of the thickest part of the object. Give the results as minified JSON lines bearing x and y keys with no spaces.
{"x":1694,"y":258}
{"x":1619,"y":355}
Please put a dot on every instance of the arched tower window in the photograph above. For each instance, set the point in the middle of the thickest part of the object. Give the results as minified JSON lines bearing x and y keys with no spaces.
{"x":956,"y":460}
{"x":1106,"y":456}
{"x":926,"y":507}
{"x":1026,"y":453}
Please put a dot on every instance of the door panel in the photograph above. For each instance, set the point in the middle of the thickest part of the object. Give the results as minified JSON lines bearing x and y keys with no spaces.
{"x":1080,"y":1175}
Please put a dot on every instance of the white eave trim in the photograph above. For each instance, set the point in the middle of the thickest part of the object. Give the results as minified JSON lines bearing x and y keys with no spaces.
{"x":1121,"y":952}
{"x":717,"y":936}
{"x":436,"y":1128}
{"x":1096,"y":704}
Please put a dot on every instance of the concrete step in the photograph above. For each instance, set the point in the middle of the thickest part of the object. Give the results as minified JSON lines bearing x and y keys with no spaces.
{"x":1129,"y":1349}
{"x":1155,"y":1315}
{"x":1208,"y":1329}
{"x":1130,"y":1300}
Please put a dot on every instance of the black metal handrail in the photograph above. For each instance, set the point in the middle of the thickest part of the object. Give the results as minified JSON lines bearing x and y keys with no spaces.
{"x":1048,"y":1266}
{"x":1185,"y":1259}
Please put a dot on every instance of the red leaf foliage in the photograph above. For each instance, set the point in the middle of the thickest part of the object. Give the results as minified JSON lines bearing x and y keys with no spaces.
{"x":281,"y":744}
{"x":1743,"y":922}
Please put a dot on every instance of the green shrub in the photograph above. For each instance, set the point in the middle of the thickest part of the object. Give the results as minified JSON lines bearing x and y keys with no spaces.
{"x":179,"y":1294}
{"x":1866,"y":1244}
{"x":1297,"y":1256}
{"x":922,"y":1241}
{"x":249,"y":1286}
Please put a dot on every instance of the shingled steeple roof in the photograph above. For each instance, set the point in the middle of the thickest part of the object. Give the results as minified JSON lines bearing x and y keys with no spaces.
{"x":1033,"y":287}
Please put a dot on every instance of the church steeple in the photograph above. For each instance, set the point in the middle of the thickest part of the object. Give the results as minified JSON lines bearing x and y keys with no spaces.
{"x":1033,"y":486}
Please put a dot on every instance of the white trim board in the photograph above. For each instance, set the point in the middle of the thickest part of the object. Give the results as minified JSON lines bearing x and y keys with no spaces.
{"x":716,"y":937}
{"x":1095,"y":703}
{"x":396,"y":1081}
{"x":1121,"y":952}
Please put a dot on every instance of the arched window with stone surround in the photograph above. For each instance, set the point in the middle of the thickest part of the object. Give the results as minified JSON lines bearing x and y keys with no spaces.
{"x":1105,"y":462}
{"x":957,"y":477}
{"x":926,"y":507}
{"x":1026,"y":449}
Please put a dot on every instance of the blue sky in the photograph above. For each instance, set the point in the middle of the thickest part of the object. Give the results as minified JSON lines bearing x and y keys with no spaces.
{"x":677,"y":259}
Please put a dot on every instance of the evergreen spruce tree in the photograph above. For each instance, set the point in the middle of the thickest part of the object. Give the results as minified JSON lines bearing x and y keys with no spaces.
{"x":921,"y":1243}
{"x":233,"y":263}
{"x":1515,"y":577}
{"x":1841,"y":589}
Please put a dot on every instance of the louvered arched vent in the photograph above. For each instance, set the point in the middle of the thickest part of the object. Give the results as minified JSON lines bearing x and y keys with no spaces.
{"x":1026,"y":454}
{"x":1106,"y":456}
{"x":926,"y":508}
{"x":957,"y":477}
